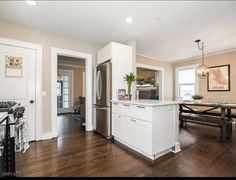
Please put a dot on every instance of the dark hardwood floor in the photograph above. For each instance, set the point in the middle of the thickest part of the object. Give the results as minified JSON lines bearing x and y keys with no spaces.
{"x":79,"y":153}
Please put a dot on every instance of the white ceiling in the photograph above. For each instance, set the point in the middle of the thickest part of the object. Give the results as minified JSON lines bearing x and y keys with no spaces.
{"x":164,"y":30}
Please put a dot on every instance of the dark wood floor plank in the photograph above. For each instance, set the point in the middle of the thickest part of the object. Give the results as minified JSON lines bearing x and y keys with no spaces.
{"x":76,"y":153}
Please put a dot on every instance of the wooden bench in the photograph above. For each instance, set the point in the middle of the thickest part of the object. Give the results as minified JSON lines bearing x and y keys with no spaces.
{"x":215,"y":120}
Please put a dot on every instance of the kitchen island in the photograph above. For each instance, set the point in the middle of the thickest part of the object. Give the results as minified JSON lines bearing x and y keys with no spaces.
{"x":150,"y":127}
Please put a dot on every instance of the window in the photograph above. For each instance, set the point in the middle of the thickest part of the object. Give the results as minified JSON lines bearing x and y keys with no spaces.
{"x":63,"y":91}
{"x":187,"y":83}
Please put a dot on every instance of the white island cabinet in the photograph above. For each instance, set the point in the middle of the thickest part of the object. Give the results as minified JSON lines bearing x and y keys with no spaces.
{"x":149,"y":127}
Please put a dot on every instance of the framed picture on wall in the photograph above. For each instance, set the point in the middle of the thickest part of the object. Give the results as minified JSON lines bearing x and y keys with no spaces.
{"x":13,"y":66}
{"x":219,"y":78}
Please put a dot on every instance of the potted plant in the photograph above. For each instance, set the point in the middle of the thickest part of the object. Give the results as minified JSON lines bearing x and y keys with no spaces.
{"x":129,"y":78}
{"x":197,"y":97}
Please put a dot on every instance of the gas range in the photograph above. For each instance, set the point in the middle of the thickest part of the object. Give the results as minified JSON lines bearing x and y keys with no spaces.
{"x":14,"y":140}
{"x":8,"y":106}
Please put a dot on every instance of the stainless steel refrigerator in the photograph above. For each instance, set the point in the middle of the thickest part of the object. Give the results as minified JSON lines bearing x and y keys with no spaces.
{"x":103,"y":98}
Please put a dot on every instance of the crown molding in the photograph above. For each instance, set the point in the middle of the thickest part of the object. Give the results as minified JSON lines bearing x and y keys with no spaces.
{"x":206,"y":55}
{"x":154,"y":58}
{"x":187,"y":59}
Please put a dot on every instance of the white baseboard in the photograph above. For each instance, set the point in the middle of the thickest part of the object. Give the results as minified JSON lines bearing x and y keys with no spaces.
{"x":46,"y":136}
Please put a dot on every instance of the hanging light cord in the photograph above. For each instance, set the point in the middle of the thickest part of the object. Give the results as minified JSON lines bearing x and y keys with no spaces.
{"x":201,"y":48}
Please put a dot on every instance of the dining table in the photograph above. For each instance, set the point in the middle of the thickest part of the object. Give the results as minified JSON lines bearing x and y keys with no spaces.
{"x":225,"y":108}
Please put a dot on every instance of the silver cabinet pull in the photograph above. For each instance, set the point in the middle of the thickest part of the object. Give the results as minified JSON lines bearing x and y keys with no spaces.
{"x":143,"y":107}
{"x":126,"y":104}
{"x":115,"y":103}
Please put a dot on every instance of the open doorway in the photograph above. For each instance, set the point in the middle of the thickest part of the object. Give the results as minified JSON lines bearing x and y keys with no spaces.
{"x":70,"y":94}
{"x":149,"y":82}
{"x":55,"y":52}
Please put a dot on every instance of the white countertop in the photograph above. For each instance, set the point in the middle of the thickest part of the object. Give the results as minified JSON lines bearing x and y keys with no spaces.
{"x":147,"y":102}
{"x":3,"y":115}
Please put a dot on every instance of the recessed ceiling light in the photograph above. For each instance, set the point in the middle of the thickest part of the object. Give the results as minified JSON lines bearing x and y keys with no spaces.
{"x":129,"y":20}
{"x":33,"y":3}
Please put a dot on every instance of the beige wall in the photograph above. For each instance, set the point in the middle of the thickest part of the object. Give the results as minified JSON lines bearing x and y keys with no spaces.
{"x":215,"y":60}
{"x":78,"y":80}
{"x":48,"y":40}
{"x":168,"y":73}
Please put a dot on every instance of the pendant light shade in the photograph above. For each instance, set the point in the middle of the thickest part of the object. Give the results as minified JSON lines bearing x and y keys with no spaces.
{"x":202,"y":70}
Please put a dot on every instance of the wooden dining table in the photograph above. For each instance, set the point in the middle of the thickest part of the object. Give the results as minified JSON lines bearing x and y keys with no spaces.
{"x":221,"y":111}
{"x":225,"y":108}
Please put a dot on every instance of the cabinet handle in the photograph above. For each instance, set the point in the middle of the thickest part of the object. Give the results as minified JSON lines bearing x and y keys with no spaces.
{"x":133,"y":120}
{"x":126,"y":104}
{"x":115,"y":103}
{"x":143,"y":107}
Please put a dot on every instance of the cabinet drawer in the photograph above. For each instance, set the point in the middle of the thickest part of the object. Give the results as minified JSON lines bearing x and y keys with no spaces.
{"x":141,"y":112}
{"x":117,"y":108}
{"x":134,"y":111}
{"x":122,"y":108}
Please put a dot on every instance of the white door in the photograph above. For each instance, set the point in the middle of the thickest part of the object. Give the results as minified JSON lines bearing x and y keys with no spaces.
{"x":17,"y":81}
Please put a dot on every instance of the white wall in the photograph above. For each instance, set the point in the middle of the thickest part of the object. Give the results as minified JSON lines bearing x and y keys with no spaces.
{"x":47,"y":39}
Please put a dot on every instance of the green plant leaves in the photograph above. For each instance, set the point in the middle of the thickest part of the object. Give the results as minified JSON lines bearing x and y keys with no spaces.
{"x":130,"y":78}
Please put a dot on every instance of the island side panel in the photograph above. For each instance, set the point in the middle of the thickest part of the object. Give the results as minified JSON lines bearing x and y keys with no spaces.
{"x":164,"y":128}
{"x":176,"y":147}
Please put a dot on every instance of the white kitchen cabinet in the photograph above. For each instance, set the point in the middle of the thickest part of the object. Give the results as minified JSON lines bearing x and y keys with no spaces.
{"x":144,"y":136}
{"x":152,"y":130}
{"x":131,"y":131}
{"x":119,"y":126}
{"x":121,"y":57}
{"x":134,"y":132}
{"x":104,"y":54}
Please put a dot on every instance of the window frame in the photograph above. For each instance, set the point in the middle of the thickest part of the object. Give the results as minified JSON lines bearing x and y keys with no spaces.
{"x":177,"y":85}
{"x":70,"y":74}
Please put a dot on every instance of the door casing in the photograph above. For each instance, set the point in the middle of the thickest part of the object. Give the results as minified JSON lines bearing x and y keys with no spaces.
{"x":89,"y":86}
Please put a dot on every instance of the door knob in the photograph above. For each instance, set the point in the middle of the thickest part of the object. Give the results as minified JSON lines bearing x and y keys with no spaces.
{"x":31,"y":101}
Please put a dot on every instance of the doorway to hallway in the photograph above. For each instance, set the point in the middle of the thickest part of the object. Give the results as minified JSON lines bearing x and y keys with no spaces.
{"x":70,"y":93}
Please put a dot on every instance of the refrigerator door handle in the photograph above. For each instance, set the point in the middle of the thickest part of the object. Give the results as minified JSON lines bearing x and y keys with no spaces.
{"x":98,"y":85}
{"x":100,"y":81}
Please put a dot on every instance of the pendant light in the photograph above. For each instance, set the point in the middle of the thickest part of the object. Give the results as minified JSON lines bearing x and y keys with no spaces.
{"x":202,"y":71}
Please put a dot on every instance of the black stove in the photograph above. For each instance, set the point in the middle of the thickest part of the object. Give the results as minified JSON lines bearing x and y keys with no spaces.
{"x":6,"y":106}
{"x":15,"y":111}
